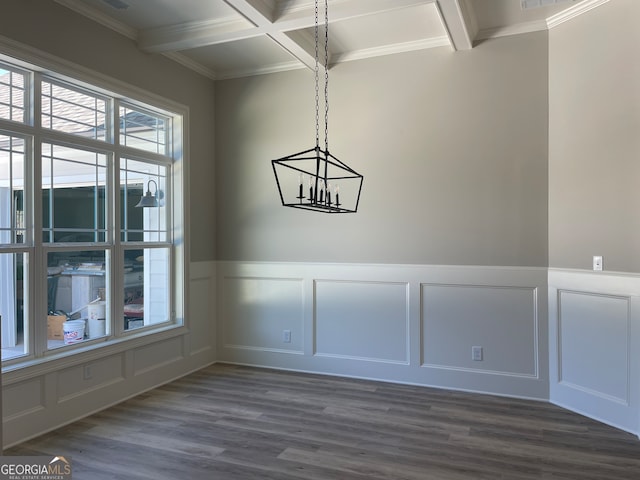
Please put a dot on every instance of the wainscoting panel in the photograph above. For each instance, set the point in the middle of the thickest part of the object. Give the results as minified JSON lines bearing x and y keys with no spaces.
{"x":400,"y":323}
{"x":202,"y":306}
{"x":362,"y":320}
{"x":46,"y":395}
{"x":157,"y":355}
{"x":595,"y":341}
{"x":23,"y":398}
{"x":79,"y":379}
{"x":594,"y":332}
{"x":502,"y":321}
{"x":263,"y":310}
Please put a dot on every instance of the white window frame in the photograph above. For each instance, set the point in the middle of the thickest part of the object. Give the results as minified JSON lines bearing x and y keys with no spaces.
{"x":41,"y":64}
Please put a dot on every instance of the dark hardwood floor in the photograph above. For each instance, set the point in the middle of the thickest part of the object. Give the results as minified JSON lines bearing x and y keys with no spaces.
{"x":230,"y":422}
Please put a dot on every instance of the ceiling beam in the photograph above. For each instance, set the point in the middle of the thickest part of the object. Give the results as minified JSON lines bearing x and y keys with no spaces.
{"x":256,"y":13}
{"x":260,"y":18}
{"x":255,"y":20}
{"x":459,"y":20}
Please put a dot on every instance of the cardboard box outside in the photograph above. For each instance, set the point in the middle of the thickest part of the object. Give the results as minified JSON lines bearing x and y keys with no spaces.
{"x":54,"y":327}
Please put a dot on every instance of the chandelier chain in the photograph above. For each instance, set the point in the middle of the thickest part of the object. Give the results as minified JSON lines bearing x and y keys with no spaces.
{"x":317,"y":81}
{"x":326,"y":75}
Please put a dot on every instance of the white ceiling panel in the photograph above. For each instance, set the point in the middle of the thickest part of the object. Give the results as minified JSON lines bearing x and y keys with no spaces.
{"x":227,"y":38}
{"x":378,"y":30}
{"x":142,"y":14}
{"x":244,"y":57}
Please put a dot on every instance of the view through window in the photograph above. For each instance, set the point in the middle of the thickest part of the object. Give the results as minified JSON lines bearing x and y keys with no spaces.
{"x":81,"y":261}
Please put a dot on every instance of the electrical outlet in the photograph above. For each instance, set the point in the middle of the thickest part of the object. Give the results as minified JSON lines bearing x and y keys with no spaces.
{"x":476,"y":354}
{"x":87,"y":374}
{"x":286,"y":336}
{"x":597,"y":263}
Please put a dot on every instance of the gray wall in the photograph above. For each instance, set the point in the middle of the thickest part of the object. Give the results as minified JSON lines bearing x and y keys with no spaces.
{"x":594,"y":139}
{"x":452,"y":145}
{"x":63,"y":33}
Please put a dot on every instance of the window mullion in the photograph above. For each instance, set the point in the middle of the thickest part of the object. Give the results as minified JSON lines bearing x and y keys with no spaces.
{"x":117,"y":258}
{"x":38,"y":264}
{"x":116,"y":261}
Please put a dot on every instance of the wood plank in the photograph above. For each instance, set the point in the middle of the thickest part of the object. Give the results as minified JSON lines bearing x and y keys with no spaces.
{"x":232,"y":422}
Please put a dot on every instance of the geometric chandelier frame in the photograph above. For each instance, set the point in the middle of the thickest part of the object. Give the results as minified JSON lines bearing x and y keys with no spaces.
{"x":324,"y":183}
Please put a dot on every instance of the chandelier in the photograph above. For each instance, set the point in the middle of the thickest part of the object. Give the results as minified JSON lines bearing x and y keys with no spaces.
{"x":314,"y":179}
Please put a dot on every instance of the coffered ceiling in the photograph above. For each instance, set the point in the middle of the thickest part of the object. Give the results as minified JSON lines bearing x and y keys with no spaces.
{"x":233,"y":38}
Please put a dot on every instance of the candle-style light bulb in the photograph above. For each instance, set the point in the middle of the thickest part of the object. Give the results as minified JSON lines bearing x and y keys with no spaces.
{"x":329,"y":194}
{"x":300,"y":195}
{"x":337,"y":192}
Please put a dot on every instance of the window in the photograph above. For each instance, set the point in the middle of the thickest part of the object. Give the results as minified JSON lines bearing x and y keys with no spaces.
{"x":143,"y":130}
{"x":13,"y":252}
{"x":71,"y":110}
{"x":74,"y":207}
{"x":13,"y":98}
{"x":81,"y":262}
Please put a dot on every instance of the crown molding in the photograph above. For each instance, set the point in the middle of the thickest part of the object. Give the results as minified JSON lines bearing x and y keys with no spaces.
{"x":573,"y":12}
{"x":80,"y":7}
{"x":551,"y":22}
{"x":282,"y":67}
{"x":83,"y":9}
{"x":517,"y":29}
{"x":191,"y":64}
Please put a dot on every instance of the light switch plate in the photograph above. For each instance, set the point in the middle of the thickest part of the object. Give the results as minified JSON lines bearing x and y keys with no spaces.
{"x":597,"y":263}
{"x":286,"y":336}
{"x":476,"y":354}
